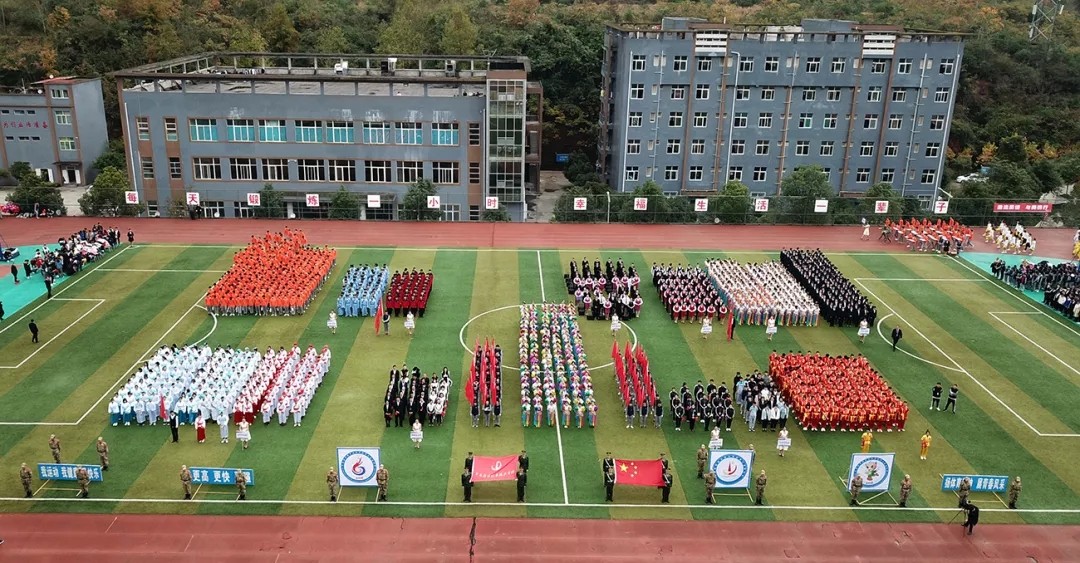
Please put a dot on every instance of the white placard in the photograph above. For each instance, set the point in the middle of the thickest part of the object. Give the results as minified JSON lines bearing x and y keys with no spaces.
{"x":491,"y":202}
{"x":581,"y":204}
{"x":357,"y":466}
{"x":374,"y":201}
{"x":881,"y":206}
{"x":875,"y":469}
{"x":733,"y":468}
{"x":641,"y":203}
{"x":941,"y":206}
{"x":192,"y":198}
{"x":312,"y":200}
{"x":701,"y":204}
{"x":821,"y":206}
{"x":131,"y":198}
{"x":433,"y":202}
{"x":254,"y":199}
{"x":761,"y":205}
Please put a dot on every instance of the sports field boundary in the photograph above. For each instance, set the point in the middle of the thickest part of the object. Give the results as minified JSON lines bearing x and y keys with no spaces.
{"x":1026,"y":337}
{"x":97,"y":303}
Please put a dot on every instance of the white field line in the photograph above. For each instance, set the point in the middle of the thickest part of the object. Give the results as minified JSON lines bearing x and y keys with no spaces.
{"x":888,"y":341}
{"x":1036,"y":344}
{"x":59,"y":334}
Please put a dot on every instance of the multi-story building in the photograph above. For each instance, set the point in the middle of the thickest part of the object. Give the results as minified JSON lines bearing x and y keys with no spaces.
{"x":57,"y":126}
{"x":690,"y":105}
{"x":225,"y":124}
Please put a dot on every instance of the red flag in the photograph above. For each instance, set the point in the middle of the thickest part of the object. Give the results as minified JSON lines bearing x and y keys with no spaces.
{"x":164,"y":412}
{"x":494,"y":468}
{"x":731,"y":323}
{"x":470,"y":393}
{"x":494,"y":374}
{"x":483,"y":375}
{"x":378,"y":317}
{"x":643,"y":472}
{"x":615,"y":350}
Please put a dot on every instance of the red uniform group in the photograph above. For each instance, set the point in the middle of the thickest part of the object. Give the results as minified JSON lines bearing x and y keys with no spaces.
{"x":837,"y":393}
{"x":409,"y":292}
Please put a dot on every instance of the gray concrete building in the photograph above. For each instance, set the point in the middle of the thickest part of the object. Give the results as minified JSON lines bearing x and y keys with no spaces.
{"x":691,"y":104}
{"x":225,"y":124}
{"x":56,"y":125}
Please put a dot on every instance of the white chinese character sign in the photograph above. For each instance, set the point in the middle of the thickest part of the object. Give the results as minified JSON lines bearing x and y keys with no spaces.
{"x":312,"y":200}
{"x":941,"y":206}
{"x":433,"y":202}
{"x":821,"y":206}
{"x":641,"y":203}
{"x":193,"y":198}
{"x":491,"y":202}
{"x":254,"y":199}
{"x":581,"y":204}
{"x":701,"y":204}
{"x":131,"y":198}
{"x":374,"y":201}
{"x":881,"y":206}
{"x":761,"y":205}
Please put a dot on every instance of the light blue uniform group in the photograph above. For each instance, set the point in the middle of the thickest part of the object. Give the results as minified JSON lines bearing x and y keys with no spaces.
{"x":362,"y":290}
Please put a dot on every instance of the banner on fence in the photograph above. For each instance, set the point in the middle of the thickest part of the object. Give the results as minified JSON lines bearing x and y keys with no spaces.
{"x":875,"y":469}
{"x":941,"y":206}
{"x":433,"y":202}
{"x":220,"y":475}
{"x":641,"y":203}
{"x":192,"y":198}
{"x":701,"y":204}
{"x":374,"y":201}
{"x":357,"y":466}
{"x":66,"y":471}
{"x":979,"y":483}
{"x":821,"y":206}
{"x":733,"y":468}
{"x":1023,"y":207}
{"x":131,"y":198}
{"x":761,"y":205}
{"x":312,"y":200}
{"x":580,"y":204}
{"x":491,"y":202}
{"x":254,"y":199}
{"x":881,"y":206}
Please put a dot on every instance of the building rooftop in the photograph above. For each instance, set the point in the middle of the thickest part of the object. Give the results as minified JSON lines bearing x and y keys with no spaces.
{"x":774,"y":31}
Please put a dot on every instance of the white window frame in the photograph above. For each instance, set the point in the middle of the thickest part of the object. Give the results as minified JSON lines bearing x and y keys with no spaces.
{"x":445,"y":172}
{"x":701,"y":119}
{"x":701,"y":92}
{"x":888,"y":175}
{"x":829,"y":121}
{"x":761,"y":174}
{"x":899,"y":95}
{"x":929,"y":176}
{"x":342,"y":132}
{"x":809,"y":94}
{"x":671,"y":173}
{"x":873,"y":94}
{"x":66,"y":143}
{"x":697,"y":146}
{"x":862,"y":176}
{"x":632,"y":174}
{"x":633,"y":146}
{"x":704,"y":64}
{"x":870,"y":121}
{"x":802,"y":148}
{"x":696,"y":173}
{"x":142,"y":126}
{"x":678,"y":92}
{"x":892,"y":148}
{"x":933,"y":150}
{"x":311,"y":170}
{"x":772,"y":64}
{"x":637,"y":63}
{"x":679,"y":63}
{"x":243,"y":169}
{"x":903,"y":66}
{"x":764,"y":120}
{"x":838,"y":65}
{"x":738,"y":147}
{"x":735,"y":174}
{"x":941,"y":95}
{"x":408,"y":171}
{"x":341,"y":170}
{"x":813,"y":64}
{"x":742,"y":119}
{"x":761,"y":147}
{"x":937,"y":122}
{"x":866,"y":148}
{"x":674,"y":146}
{"x":768,"y":93}
{"x":378,"y":172}
{"x":205,"y":168}
{"x":635,"y":119}
{"x":275,"y":169}
{"x":896,"y":121}
{"x":827,"y":148}
{"x":637,"y":91}
{"x":806,"y":121}
{"x":675,"y":119}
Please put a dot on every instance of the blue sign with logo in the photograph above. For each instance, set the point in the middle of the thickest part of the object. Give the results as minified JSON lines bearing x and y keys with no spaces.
{"x":219,"y":475}
{"x":562,"y":158}
{"x":66,"y":471}
{"x":979,"y":483}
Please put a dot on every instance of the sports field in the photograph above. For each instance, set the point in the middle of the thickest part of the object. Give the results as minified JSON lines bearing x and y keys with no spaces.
{"x":1017,"y":365}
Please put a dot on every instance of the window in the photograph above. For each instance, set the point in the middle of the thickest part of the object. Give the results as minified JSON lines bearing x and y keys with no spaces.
{"x":637,"y":91}
{"x":887,"y":175}
{"x":240,"y":130}
{"x":309,"y":132}
{"x":678,"y":92}
{"x":933,"y":150}
{"x":671,"y":173}
{"x":802,"y":148}
{"x":241,"y":210}
{"x":838,"y":65}
{"x":378,"y":171}
{"x":761,"y":148}
{"x":342,"y":170}
{"x":678,"y":63}
{"x":696,"y":173}
{"x":701,"y":92}
{"x":738,"y":146}
{"x":635,"y":119}
{"x":444,"y":134}
{"x":742,"y":93}
{"x":409,"y":133}
{"x":675,"y":119}
{"x":270,"y":131}
{"x":768,"y":93}
{"x":146,"y":165}
{"x":674,"y":146}
{"x":896,"y":121}
{"x":862,"y":176}
{"x":175,"y":170}
{"x":903,"y":66}
{"x":813,"y":64}
{"x":870,"y":121}
{"x":928,"y":176}
{"x":206,"y":168}
{"x":827,"y":148}
{"x":474,"y":134}
{"x":764,"y":120}
{"x":735,"y":174}
{"x":941,"y":95}
{"x":946,"y":66}
{"x":832,"y":94}
{"x":892,"y":148}
{"x":740,"y":120}
{"x":866,"y":149}
{"x":873,"y":94}
{"x":66,"y":143}
{"x":474,"y":172}
{"x":937,"y":122}
{"x":772,"y":64}
{"x":445,"y":172}
{"x":59,"y":93}
{"x":637,"y":62}
{"x":701,"y":119}
{"x":275,"y":169}
{"x":759,"y":174}
{"x":899,"y":95}
{"x":878,"y":66}
{"x":828,"y":173}
{"x":704,"y":64}
{"x":142,"y":124}
{"x":746,"y":64}
{"x":809,"y":94}
{"x":408,"y":171}
{"x":311,"y":170}
{"x":632,"y":174}
{"x":171,"y":130}
{"x":243,"y":169}
{"x":376,"y":133}
{"x":697,"y":146}
{"x":203,"y":129}
{"x":342,"y":132}
{"x":633,"y":146}
{"x":806,"y":120}
{"x":829,"y":122}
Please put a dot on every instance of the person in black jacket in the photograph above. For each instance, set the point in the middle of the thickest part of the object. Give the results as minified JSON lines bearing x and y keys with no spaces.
{"x":466,"y":482}
{"x":522,"y":480}
{"x":972,"y":517}
{"x":665,"y":490}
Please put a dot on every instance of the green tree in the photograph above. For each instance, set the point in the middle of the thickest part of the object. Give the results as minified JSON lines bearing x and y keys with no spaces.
{"x":414,"y":204}
{"x":881,"y":191}
{"x":659,"y":209}
{"x":580,"y":169}
{"x":33,"y":189}
{"x":595,"y":206}
{"x":495,"y":215}
{"x":272,"y":203}
{"x":344,"y":204}
{"x":459,"y":33}
{"x":115,"y":156}
{"x":106,"y":198}
{"x":332,"y":40}
{"x":799,"y":191}
{"x":281,"y":36}
{"x":1012,"y":181}
{"x":20,"y":170}
{"x":732,"y":205}
{"x":411,"y":30}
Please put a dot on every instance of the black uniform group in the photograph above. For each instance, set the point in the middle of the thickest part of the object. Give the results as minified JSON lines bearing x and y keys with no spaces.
{"x":710,"y":405}
{"x":841,"y":304}
{"x":600,"y":293}
{"x":415,"y":397}
{"x":686,"y":292}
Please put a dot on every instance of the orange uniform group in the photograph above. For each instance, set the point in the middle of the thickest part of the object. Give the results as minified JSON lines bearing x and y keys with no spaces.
{"x":927,"y":235}
{"x":837,"y":393}
{"x":278,"y":274}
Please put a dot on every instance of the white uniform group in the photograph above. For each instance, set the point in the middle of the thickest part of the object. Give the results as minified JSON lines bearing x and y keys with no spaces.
{"x":757,"y":292}
{"x":1013,"y":241}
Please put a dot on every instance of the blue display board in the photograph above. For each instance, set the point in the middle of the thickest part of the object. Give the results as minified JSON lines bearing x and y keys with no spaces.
{"x":219,"y":475}
{"x":66,"y":471}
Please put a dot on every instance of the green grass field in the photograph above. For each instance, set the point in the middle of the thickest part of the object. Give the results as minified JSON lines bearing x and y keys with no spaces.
{"x":1016,"y":414}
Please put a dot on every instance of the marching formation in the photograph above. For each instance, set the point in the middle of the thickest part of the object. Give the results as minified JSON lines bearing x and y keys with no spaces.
{"x":948,"y":237}
{"x":362,"y":290}
{"x":606,"y":294}
{"x":840,"y":303}
{"x":1015,"y":240}
{"x":554,"y":371}
{"x":708,"y":405}
{"x":636,"y":386}
{"x":686,"y":292}
{"x":413,"y":398}
{"x":409,"y":292}
{"x":756,"y":293}
{"x":484,"y":389}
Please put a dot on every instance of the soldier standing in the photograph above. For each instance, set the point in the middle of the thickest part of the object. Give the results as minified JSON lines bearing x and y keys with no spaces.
{"x":523,"y":461}
{"x":710,"y":484}
{"x":522,"y":480}
{"x":856,"y":488}
{"x":468,"y":462}
{"x":609,"y":482}
{"x":608,"y":463}
{"x":185,"y":481}
{"x":702,"y":458}
{"x":965,"y":490}
{"x":83,"y":477}
{"x":905,"y":490}
{"x":241,"y":485}
{"x":1014,"y":493}
{"x":27,"y":478}
{"x":103,"y":453}
{"x":54,"y":445}
{"x":761,"y":481}
{"x":466,"y":485}
{"x":382,"y":477}
{"x":666,"y":488}
{"x":332,"y":483}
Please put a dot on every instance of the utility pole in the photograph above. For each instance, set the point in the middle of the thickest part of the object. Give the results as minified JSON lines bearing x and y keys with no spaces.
{"x":1043,"y":14}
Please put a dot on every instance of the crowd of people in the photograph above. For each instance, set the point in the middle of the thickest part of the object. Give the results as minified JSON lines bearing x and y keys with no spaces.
{"x":760,"y":293}
{"x":710,"y":405}
{"x":841,"y":304}
{"x":687,"y":292}
{"x":604,"y":294}
{"x":554,"y":370}
{"x":1059,"y":283}
{"x":1016,"y":240}
{"x":277,"y":274}
{"x":362,"y":290}
{"x":760,"y":402}
{"x":414,"y":398}
{"x":924,"y":235}
{"x":637,"y":389}
{"x":70,"y":255}
{"x":483,"y":391}
{"x":409,"y":292}
{"x":837,"y":393}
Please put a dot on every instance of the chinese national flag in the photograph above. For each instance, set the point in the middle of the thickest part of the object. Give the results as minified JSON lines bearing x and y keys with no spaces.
{"x":642,"y":472}
{"x":378,"y":317}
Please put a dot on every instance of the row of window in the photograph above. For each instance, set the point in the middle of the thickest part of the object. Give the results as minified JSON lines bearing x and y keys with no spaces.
{"x":63,"y":143}
{"x":61,"y":116}
{"x":312,"y":131}
{"x":315,"y":170}
{"x":809,"y":94}
{"x":806,"y":120}
{"x":761,"y":174}
{"x":763,"y":146}
{"x":838,"y":65}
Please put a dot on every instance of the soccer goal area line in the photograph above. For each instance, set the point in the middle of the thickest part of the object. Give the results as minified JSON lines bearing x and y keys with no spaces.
{"x":95,"y":304}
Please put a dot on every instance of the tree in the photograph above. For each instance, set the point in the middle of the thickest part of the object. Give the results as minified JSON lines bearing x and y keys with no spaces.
{"x":414,"y":204}
{"x":495,"y":215}
{"x":272,"y":203}
{"x":459,"y":33}
{"x":32,"y":189}
{"x":281,"y":36}
{"x":578,"y":167}
{"x":732,"y":205}
{"x":881,"y":191}
{"x":20,"y":170}
{"x":107,"y":197}
{"x":115,"y":156}
{"x":799,"y":190}
{"x":332,"y":40}
{"x":661,"y":209}
{"x":410,"y":30}
{"x":344,"y":204}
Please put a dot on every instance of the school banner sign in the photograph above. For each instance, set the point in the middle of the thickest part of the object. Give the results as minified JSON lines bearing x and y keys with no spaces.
{"x":733,"y":468}
{"x":979,"y":483}
{"x":875,"y":469}
{"x":357,"y":466}
{"x":494,"y":468}
{"x":220,"y":475}
{"x":1023,"y":207}
{"x":66,"y":472}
